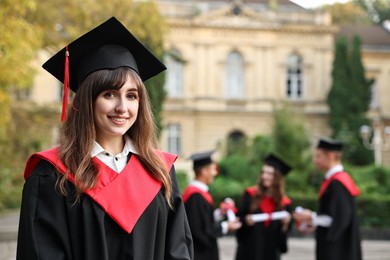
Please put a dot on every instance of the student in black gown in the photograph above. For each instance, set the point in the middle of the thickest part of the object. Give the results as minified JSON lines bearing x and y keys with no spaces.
{"x":266,"y":239}
{"x":105,"y":192}
{"x":336,"y":222}
{"x":205,"y":221}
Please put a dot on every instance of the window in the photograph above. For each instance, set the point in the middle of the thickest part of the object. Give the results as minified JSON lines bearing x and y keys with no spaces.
{"x":174,"y":77}
{"x":234,"y":75}
{"x":374,"y":95}
{"x":174,"y":138}
{"x":294,"y":81}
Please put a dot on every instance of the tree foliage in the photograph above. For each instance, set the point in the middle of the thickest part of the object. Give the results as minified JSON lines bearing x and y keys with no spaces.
{"x":347,"y":13}
{"x":377,"y":10}
{"x":349,"y":99}
{"x":290,"y":138}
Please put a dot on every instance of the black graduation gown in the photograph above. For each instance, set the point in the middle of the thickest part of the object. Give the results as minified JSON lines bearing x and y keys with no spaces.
{"x":54,"y":227}
{"x":259,"y":241}
{"x":341,"y":241}
{"x":205,"y":230}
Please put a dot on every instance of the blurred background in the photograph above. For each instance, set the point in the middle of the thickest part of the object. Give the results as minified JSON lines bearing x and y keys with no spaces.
{"x":245,"y":77}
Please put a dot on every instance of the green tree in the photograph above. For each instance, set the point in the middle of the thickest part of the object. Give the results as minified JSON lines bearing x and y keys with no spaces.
{"x":290,"y":139}
{"x":347,"y":13}
{"x":348,"y":100}
{"x":19,"y":42}
{"x":339,"y":92}
{"x":377,"y":10}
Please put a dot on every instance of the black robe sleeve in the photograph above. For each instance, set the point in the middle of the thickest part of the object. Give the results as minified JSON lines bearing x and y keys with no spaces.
{"x":179,"y":229}
{"x":204,"y":229}
{"x":43,"y":232}
{"x":340,"y":209}
{"x":341,"y":240}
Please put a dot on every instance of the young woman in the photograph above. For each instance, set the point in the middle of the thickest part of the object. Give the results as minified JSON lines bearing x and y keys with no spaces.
{"x":105,"y":192}
{"x":266,"y":239}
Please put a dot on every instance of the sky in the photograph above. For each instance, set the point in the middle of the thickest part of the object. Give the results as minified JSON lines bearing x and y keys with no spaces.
{"x":316,"y":3}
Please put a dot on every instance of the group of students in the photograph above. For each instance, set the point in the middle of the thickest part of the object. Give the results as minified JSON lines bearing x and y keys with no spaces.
{"x":106,"y":192}
{"x":265,"y":215}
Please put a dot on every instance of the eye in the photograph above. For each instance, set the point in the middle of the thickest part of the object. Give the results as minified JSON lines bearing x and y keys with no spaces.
{"x":132,"y":95}
{"x":109,"y":94}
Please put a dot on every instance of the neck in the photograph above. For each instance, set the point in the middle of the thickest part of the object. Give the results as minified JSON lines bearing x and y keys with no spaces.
{"x":113,"y":146}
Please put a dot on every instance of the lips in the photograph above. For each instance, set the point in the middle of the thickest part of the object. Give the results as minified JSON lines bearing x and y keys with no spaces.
{"x":118,"y":119}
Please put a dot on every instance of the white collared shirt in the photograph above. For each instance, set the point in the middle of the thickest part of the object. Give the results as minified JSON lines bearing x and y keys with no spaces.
{"x":332,"y":171}
{"x":199,"y":185}
{"x":116,"y":162}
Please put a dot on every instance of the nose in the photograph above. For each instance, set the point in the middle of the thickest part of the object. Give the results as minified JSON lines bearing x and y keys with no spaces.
{"x":120,"y":106}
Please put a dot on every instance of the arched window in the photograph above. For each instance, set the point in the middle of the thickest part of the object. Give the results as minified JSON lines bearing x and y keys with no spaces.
{"x":174,"y":138}
{"x":234,"y":76}
{"x":294,"y":82}
{"x":174,"y":77}
{"x":236,"y":143}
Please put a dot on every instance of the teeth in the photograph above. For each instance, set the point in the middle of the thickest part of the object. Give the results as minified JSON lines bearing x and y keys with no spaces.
{"x":118,"y":119}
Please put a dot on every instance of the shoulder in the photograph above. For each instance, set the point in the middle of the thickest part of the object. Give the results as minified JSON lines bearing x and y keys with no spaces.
{"x":169,"y":158}
{"x":286,"y":201}
{"x":251,"y":191}
{"x":43,"y":169}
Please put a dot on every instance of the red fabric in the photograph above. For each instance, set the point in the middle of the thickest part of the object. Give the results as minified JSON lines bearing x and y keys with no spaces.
{"x":190,"y":190}
{"x":125,"y":196}
{"x":66,"y":86}
{"x":345,"y":180}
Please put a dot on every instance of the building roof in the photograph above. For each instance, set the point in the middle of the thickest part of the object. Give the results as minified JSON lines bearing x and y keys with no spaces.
{"x":371,"y":35}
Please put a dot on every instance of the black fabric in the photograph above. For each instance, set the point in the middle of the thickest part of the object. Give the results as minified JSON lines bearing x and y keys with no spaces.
{"x":259,"y":241}
{"x":204,"y":229}
{"x":341,"y":241}
{"x":54,"y":227}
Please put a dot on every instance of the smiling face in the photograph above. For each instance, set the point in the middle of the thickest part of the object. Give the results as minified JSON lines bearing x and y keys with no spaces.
{"x":115,"y":111}
{"x":267,"y":176}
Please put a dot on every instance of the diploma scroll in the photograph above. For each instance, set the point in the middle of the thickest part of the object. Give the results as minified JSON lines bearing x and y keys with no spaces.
{"x":261,"y":217}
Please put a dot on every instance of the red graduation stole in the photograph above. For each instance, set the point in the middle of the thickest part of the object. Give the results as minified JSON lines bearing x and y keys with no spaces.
{"x":345,"y":180}
{"x":267,"y":203}
{"x":190,"y":190}
{"x":125,"y":196}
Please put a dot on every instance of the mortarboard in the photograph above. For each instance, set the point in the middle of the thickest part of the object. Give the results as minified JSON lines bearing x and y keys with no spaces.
{"x":108,"y":46}
{"x":277,"y":163}
{"x":330,"y":144}
{"x":201,"y":159}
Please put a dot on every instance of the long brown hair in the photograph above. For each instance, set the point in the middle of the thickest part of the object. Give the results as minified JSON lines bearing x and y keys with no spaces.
{"x":78,"y":133}
{"x":276,"y":190}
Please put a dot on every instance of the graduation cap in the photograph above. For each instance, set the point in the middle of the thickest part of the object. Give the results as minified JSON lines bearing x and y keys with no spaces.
{"x":201,"y":159}
{"x":330,"y":144}
{"x":277,"y":163}
{"x":108,"y":46}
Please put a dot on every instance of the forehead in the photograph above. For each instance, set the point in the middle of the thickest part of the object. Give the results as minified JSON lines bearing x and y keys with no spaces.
{"x":268,"y":168}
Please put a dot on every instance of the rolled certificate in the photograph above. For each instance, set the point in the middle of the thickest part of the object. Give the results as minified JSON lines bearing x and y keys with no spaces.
{"x":261,"y":217}
{"x":230,"y":215}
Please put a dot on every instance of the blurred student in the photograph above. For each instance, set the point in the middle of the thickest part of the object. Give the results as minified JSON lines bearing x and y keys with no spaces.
{"x":204,"y":220}
{"x":105,"y":192}
{"x":265,"y":239}
{"x":336,"y":223}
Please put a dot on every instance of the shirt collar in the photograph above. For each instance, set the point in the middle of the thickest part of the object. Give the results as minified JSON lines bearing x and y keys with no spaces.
{"x":199,"y":185}
{"x":128,"y":148}
{"x":335,"y":169}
